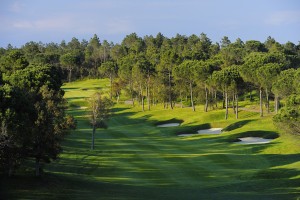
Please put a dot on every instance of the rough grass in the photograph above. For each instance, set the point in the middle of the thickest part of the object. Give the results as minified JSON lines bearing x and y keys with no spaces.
{"x":133,"y":159}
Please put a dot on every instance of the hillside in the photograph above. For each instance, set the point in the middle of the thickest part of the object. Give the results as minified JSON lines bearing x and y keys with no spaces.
{"x":135,"y":159}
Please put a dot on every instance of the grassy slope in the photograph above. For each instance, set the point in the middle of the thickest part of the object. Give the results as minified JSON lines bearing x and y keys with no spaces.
{"x":136,"y":160}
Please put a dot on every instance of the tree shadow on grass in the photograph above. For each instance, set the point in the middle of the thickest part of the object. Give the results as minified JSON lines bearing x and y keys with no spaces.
{"x":265,"y":184}
{"x":193,"y":129}
{"x":237,"y":125}
{"x":75,"y":98}
{"x":116,"y":110}
{"x":70,"y":88}
{"x":80,"y":182}
{"x":173,"y":120}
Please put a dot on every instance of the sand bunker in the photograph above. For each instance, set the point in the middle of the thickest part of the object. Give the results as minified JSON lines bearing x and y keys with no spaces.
{"x":169,"y":125}
{"x":204,"y":132}
{"x":253,"y":140}
{"x":210,"y":131}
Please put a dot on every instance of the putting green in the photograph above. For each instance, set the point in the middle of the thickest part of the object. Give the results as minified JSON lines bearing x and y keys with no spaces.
{"x":134,"y":159}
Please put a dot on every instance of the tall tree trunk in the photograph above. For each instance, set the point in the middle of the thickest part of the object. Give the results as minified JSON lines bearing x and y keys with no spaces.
{"x":260,"y":102}
{"x":192,"y":101}
{"x":170,"y":92}
{"x":181,"y":103}
{"x":206,"y":99}
{"x":276,"y":103}
{"x":148,"y":98}
{"x":118,"y":97}
{"x":153,"y":97}
{"x":233,"y":101}
{"x":216,"y":100}
{"x":226,"y":104}
{"x":93,"y":137}
{"x":70,"y":74}
{"x":111,"y":85}
{"x":81,"y":73}
{"x":224,"y":98}
{"x":268,"y":102}
{"x":131,"y":92}
{"x":148,"y":92}
{"x":142,"y":98}
{"x":211,"y":96}
{"x":37,"y":167}
{"x":237,"y":106}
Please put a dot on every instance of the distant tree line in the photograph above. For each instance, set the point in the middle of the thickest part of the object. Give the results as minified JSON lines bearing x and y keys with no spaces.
{"x":178,"y":71}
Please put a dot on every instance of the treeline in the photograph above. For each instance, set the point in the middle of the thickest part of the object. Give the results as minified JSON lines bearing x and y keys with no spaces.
{"x":177,"y":71}
{"x":32,"y":117}
{"x":170,"y":70}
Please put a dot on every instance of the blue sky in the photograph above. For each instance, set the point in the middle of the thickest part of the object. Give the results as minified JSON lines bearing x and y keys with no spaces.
{"x":47,"y":21}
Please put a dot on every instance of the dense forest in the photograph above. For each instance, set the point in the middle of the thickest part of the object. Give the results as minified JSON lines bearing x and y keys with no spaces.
{"x":177,"y":72}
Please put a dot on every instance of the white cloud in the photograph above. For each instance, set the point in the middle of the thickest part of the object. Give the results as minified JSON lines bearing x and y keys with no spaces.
{"x":283,"y":18}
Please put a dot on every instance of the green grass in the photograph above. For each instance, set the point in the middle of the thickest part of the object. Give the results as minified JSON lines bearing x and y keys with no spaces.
{"x":134,"y":159}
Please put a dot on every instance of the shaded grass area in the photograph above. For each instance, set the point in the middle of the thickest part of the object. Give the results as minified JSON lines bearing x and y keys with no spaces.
{"x":93,"y":189}
{"x":174,"y":120}
{"x":193,"y":129}
{"x":237,"y":125}
{"x":133,"y":159}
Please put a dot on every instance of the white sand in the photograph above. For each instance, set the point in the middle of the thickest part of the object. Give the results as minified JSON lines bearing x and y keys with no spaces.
{"x":204,"y":132}
{"x":210,"y":131}
{"x":253,"y":140}
{"x":169,"y":125}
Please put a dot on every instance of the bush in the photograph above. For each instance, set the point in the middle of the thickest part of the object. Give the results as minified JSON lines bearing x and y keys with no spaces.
{"x":288,"y":118}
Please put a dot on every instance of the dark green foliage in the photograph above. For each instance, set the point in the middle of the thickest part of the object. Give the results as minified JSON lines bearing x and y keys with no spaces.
{"x":288,"y":117}
{"x":32,"y":116}
{"x":13,"y":60}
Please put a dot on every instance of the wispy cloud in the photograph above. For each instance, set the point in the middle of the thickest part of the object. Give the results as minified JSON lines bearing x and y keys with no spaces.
{"x":119,"y":26}
{"x":16,"y":7}
{"x":283,"y":17}
{"x":61,"y":22}
{"x":69,"y":23}
{"x":23,"y":24}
